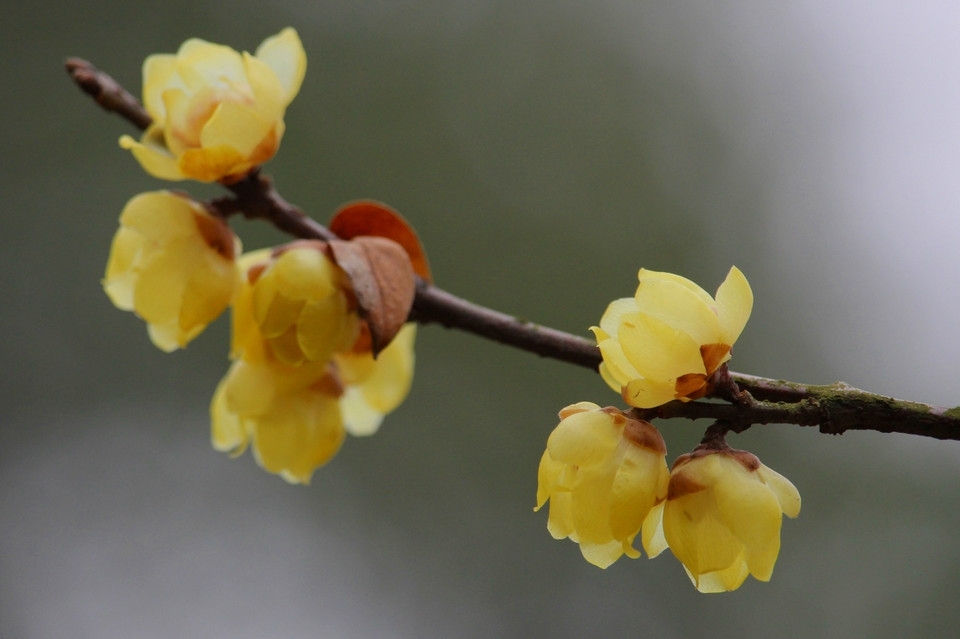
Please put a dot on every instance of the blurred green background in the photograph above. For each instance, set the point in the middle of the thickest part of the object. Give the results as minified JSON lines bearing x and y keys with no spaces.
{"x":545,"y":151}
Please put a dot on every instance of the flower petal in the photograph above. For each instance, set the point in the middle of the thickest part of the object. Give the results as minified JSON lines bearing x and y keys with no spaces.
{"x":285,"y":55}
{"x":734,"y":305}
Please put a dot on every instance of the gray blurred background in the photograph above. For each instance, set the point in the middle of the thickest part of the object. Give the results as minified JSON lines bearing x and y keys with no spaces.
{"x":545,"y":151}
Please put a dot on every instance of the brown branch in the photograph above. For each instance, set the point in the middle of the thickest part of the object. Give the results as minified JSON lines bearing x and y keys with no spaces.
{"x":107,"y":92}
{"x":836,"y":408}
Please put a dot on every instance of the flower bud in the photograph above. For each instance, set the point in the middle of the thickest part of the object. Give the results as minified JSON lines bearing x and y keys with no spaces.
{"x":722,"y":517}
{"x":602,"y":472}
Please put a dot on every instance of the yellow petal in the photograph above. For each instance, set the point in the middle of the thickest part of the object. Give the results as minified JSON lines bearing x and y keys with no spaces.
{"x":227,"y":433}
{"x":602,"y":555}
{"x":236,"y":126}
{"x":208,"y":292}
{"x":720,"y":581}
{"x":158,"y":293}
{"x":305,"y":274}
{"x":646,"y":274}
{"x":203,"y":64}
{"x":696,"y":534}
{"x":325,"y":326}
{"x":657,"y":350}
{"x":154,"y":159}
{"x":547,"y":475}
{"x":299,"y":435}
{"x":613,"y":316}
{"x":120,"y":276}
{"x":654,"y":541}
{"x":360,"y":419}
{"x":678,"y":307}
{"x":159,"y":74}
{"x":584,"y":439}
{"x":786,"y":493}
{"x":389,"y":382}
{"x":268,"y":92}
{"x":648,"y":393}
{"x":618,"y":365}
{"x":634,"y":489}
{"x":734,"y":305}
{"x":284,"y":54}
{"x":560,"y":518}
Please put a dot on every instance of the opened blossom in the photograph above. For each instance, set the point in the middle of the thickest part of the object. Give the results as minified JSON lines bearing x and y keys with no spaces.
{"x":296,"y":415}
{"x":173,"y":264}
{"x":722,"y":517}
{"x":602,"y":472}
{"x":217,"y":113}
{"x":666,"y":341}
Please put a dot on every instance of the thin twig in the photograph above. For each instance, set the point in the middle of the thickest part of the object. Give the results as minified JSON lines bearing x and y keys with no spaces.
{"x":835,"y":408}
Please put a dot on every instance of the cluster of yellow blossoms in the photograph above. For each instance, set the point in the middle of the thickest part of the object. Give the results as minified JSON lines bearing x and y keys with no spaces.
{"x":604,"y":471}
{"x":304,"y":373}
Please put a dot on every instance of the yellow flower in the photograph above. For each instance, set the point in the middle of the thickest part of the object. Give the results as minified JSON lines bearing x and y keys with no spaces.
{"x":217,"y":113}
{"x":722,"y":518}
{"x":172,"y":263}
{"x":291,"y":415}
{"x":666,"y":341}
{"x":301,"y":305}
{"x":296,"y":415}
{"x":602,"y":472}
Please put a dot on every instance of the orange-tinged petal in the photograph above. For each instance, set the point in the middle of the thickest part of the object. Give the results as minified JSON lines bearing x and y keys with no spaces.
{"x":212,"y":163}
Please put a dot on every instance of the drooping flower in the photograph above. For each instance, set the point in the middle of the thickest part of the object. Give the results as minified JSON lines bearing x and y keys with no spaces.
{"x":296,"y":415}
{"x":217,"y":113}
{"x":722,"y":517}
{"x":602,"y":472}
{"x":173,"y":264}
{"x":668,"y":340}
{"x":301,"y":306}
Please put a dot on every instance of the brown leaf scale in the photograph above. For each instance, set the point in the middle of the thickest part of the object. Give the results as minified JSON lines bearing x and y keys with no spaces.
{"x":216,"y":233}
{"x":681,"y":485}
{"x":371,"y":218}
{"x":645,"y":435}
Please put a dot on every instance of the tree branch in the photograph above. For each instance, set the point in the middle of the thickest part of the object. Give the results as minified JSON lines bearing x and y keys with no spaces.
{"x":750,"y":400}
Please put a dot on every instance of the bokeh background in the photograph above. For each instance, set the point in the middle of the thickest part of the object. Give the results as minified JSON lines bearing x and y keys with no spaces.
{"x":545,"y":150}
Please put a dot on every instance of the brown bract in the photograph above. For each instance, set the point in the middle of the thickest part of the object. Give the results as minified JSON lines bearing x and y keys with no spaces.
{"x":383,"y":282}
{"x":367,"y":217}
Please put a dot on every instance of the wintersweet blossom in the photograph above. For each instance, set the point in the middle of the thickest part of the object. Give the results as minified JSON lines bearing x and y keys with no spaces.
{"x":217,"y":113}
{"x":665,"y":342}
{"x":295,"y":416}
{"x":602,"y":472}
{"x":173,"y":264}
{"x":301,"y":305}
{"x":722,"y":517}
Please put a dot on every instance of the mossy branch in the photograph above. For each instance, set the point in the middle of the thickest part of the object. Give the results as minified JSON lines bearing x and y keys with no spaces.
{"x":745,"y":400}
